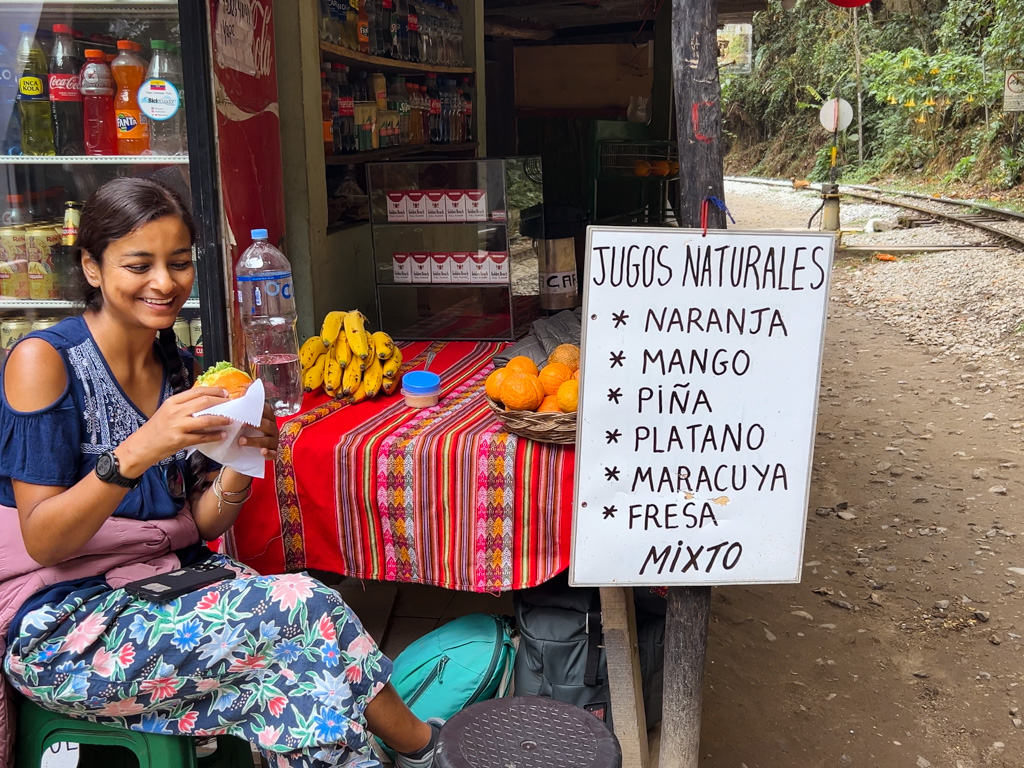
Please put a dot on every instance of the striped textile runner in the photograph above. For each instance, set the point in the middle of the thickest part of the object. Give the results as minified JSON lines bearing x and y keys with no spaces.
{"x":440,"y":496}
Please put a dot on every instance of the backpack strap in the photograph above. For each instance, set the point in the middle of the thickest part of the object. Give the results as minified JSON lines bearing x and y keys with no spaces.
{"x":590,"y":676}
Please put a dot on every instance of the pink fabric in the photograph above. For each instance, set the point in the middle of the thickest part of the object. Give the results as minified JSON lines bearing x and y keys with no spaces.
{"x":123,"y":550}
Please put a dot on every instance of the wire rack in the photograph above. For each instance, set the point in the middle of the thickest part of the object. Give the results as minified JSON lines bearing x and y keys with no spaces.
{"x":638,"y":159}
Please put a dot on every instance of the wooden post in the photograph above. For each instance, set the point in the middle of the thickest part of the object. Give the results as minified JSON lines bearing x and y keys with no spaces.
{"x":699,"y":130}
{"x":625,"y":686}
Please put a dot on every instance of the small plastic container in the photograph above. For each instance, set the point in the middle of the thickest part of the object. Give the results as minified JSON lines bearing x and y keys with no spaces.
{"x":421,"y":389}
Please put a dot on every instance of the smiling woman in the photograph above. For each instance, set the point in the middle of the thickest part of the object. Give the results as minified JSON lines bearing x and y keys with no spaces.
{"x":96,"y":490}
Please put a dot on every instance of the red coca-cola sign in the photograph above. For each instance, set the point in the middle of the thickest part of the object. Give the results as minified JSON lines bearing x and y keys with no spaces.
{"x":65,"y":88}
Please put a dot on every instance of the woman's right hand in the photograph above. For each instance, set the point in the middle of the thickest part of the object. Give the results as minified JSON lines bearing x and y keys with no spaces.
{"x":172,"y":428}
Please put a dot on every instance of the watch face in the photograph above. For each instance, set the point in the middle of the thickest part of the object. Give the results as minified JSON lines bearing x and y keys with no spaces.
{"x":104,"y":465}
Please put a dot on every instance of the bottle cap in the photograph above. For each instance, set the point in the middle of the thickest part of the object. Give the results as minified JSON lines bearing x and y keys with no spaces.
{"x":61,"y":29}
{"x":158,"y":45}
{"x":258,"y":234}
{"x":27,"y":28}
{"x":137,"y":47}
{"x":93,"y":53}
{"x":421,"y":383}
{"x":125,"y":45}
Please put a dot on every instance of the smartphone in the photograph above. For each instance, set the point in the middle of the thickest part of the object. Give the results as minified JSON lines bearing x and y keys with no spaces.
{"x":161,"y":589}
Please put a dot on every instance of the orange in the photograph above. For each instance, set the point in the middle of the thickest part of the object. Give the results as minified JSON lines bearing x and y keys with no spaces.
{"x":554,"y":374}
{"x":493,"y":384}
{"x":549,"y":405}
{"x":568,"y":396}
{"x":673,"y":168}
{"x":659,"y":168}
{"x":567,"y":354}
{"x":521,"y":392}
{"x":522,"y":364}
{"x":641,"y":168}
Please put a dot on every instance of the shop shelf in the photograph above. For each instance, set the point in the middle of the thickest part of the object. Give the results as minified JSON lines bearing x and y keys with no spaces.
{"x":394,"y":153}
{"x":167,"y":9}
{"x":6,"y":304}
{"x":333,"y":52}
{"x":93,"y":160}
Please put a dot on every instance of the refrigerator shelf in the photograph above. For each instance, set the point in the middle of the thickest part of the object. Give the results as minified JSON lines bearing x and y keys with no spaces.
{"x":166,"y":9}
{"x":364,"y":60}
{"x":6,"y":304}
{"x":93,"y":160}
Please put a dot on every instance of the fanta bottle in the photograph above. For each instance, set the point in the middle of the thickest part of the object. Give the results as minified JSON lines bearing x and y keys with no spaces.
{"x":132,"y":129}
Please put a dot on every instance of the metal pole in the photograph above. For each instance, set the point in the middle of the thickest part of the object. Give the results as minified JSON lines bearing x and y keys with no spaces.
{"x":860,"y":89}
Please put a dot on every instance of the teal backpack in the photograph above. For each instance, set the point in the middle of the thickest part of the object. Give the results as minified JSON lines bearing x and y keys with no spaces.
{"x":467,"y":660}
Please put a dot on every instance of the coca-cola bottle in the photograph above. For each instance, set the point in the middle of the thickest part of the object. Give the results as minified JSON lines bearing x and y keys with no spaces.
{"x":65,"y":93}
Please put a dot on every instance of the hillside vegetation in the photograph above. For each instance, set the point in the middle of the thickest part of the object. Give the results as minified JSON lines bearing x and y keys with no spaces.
{"x":931,"y":86}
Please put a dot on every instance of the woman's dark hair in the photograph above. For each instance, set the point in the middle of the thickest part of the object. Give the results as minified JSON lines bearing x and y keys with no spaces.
{"x":115,"y":210}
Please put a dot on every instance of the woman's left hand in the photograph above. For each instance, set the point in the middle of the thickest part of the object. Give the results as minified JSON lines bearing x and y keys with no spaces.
{"x":268,"y":438}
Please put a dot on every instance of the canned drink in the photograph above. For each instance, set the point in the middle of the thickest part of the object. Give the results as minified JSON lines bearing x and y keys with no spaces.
{"x":196,"y":332}
{"x":182,"y":333}
{"x":11,"y":331}
{"x":72,"y":219}
{"x":13,"y":263}
{"x":45,"y":322}
{"x":41,"y":241}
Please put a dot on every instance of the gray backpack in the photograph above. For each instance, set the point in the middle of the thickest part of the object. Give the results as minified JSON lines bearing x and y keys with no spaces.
{"x":561,"y":653}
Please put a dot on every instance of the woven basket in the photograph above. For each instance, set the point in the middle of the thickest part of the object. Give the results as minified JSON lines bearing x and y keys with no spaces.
{"x":543,"y":427}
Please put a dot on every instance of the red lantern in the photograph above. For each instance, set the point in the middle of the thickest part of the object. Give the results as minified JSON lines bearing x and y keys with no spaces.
{"x":849,"y":3}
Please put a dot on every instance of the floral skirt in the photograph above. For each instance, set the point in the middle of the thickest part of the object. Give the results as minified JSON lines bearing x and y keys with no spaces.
{"x":278,"y":660}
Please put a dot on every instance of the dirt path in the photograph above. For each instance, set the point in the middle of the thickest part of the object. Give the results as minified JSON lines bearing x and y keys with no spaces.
{"x":902,"y":645}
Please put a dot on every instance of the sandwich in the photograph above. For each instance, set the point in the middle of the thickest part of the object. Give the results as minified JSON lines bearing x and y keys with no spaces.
{"x":227,"y":377}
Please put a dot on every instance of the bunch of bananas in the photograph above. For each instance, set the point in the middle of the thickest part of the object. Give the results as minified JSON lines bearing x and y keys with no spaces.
{"x":348,"y":362}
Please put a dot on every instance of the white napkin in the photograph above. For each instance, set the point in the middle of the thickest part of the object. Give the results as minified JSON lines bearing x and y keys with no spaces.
{"x":246,"y":413}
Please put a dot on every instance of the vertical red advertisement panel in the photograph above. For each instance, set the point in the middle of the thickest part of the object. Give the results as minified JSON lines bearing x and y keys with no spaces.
{"x":248,"y":134}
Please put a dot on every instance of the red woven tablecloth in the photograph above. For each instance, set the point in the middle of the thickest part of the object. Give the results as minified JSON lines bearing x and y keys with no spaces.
{"x":439,"y":496}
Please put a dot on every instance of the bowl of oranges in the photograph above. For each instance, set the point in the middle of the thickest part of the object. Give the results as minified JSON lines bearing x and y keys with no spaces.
{"x":538,"y":402}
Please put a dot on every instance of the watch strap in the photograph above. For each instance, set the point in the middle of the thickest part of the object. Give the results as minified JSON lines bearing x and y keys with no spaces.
{"x":113,"y":474}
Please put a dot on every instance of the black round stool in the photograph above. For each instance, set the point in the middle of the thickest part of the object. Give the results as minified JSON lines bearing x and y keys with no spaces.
{"x":526,"y":732}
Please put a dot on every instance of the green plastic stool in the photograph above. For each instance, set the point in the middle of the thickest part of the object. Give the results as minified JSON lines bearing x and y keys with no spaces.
{"x":39,"y":729}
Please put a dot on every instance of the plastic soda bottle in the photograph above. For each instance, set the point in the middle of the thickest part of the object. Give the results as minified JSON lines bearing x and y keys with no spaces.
{"x":161,"y":103}
{"x":97,"y":84}
{"x":33,"y":95}
{"x":263,"y":280}
{"x":65,"y":93}
{"x":132,"y":127}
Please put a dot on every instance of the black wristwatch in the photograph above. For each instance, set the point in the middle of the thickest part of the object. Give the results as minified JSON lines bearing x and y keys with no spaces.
{"x":109,"y":471}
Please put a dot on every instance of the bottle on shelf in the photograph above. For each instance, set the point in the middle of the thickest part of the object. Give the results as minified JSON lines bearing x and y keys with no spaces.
{"x":264,"y":292}
{"x":399,"y":30}
{"x":100,"y":125}
{"x":65,"y":93}
{"x":352,"y":25}
{"x":325,"y":114}
{"x":33,"y":95}
{"x":17,"y":211}
{"x":467,"y":99}
{"x":458,"y":55}
{"x":10,"y":133}
{"x":412,"y":27}
{"x":363,"y":27}
{"x":132,"y":127}
{"x":161,"y":103}
{"x":346,"y":109}
{"x":332,"y":83}
{"x":328,"y":30}
{"x":434,"y":99}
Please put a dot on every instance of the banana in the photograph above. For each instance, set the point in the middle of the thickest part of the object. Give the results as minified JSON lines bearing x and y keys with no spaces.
{"x":372,"y":378}
{"x":382,"y":344}
{"x":355,"y":331}
{"x":331,"y":328}
{"x":393,"y":364}
{"x":332,"y":376}
{"x":358,"y":396}
{"x":371,"y":347}
{"x":314,"y":376}
{"x":351,"y":380}
{"x":389,"y":385}
{"x":342,"y":351}
{"x":311,"y":349}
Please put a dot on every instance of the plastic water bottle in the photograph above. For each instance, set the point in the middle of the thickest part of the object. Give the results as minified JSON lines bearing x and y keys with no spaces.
{"x":160,"y":99}
{"x":263,"y":279}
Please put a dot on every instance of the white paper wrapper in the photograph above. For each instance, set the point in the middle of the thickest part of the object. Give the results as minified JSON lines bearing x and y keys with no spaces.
{"x":246,"y":414}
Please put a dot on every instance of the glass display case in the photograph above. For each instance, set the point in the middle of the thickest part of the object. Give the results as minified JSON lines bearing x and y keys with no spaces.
{"x":442,"y":250}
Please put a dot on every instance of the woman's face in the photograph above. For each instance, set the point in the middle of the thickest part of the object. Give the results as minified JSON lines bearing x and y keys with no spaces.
{"x":146,"y":276}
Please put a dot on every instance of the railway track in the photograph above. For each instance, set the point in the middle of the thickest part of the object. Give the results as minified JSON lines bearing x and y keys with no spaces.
{"x":1006,"y":228}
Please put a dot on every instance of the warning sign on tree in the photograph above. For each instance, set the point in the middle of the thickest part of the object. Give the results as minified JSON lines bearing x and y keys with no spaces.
{"x":1013,"y":91}
{"x":699,"y":390}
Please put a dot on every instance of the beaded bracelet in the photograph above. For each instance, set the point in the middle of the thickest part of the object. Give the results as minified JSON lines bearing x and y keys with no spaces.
{"x":220,"y":493}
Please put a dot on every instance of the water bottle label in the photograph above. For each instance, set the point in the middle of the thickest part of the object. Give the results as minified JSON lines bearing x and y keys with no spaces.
{"x":158,"y":99}
{"x":32,"y":89}
{"x":274,"y":284}
{"x":65,"y":88}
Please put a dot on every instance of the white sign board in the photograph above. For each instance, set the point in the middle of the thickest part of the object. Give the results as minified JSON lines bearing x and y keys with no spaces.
{"x":699,"y":390}
{"x":835,"y":114}
{"x":1013,"y":91}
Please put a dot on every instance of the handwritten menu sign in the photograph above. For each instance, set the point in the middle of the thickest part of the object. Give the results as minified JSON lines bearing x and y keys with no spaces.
{"x":701,"y":363}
